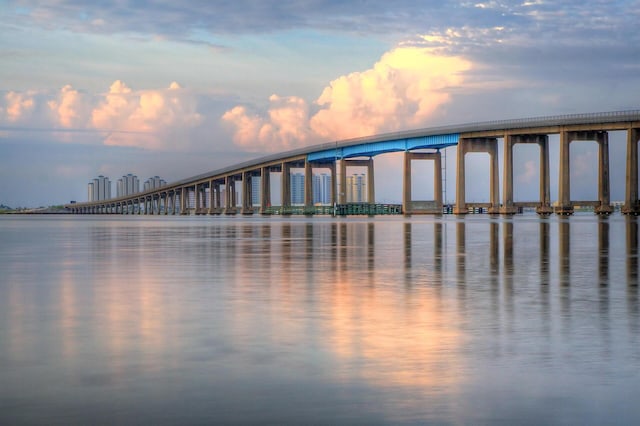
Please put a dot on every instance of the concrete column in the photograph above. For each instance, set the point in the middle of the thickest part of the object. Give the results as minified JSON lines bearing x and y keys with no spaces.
{"x":198,"y":197}
{"x":408,"y":206}
{"x":507,"y":181}
{"x":247,"y":206}
{"x":211,"y":197}
{"x":308,"y":187}
{"x":490,"y":146}
{"x":545,"y":186}
{"x":218,"y":198}
{"x":494,"y":187}
{"x":604,"y":183}
{"x":342,"y":197}
{"x":286,"y":188}
{"x":230,"y":189}
{"x":437,"y":180}
{"x":184,"y":198}
{"x":406,"y":185}
{"x":334,"y":183}
{"x":564,"y":193}
{"x":265,"y":190}
{"x":371,"y":183}
{"x":461,"y":204}
{"x":631,"y":203}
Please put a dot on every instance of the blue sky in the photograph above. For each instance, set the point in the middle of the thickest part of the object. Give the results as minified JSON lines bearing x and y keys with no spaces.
{"x":179,"y":88}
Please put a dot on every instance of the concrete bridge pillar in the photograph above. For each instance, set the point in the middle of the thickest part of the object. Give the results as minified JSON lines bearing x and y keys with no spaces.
{"x":214,"y":195}
{"x":564,"y":199}
{"x":508,"y":206}
{"x":631,"y":203}
{"x":371,"y":194}
{"x":371,"y":183}
{"x":604,"y":182}
{"x":545,"y":181}
{"x":407,"y":200}
{"x":490,"y":146}
{"x":342,"y":197}
{"x":247,"y":204}
{"x":184,"y":199}
{"x":565,"y":206}
{"x":334,"y":184}
{"x":286,"y":188}
{"x":230,"y":195}
{"x":197,"y":197}
{"x":308,"y":187}
{"x":265,"y":190}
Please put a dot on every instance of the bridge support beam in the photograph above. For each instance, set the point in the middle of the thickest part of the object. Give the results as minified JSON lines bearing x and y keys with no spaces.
{"x":408,"y":206}
{"x":490,"y":146}
{"x":247,"y":203}
{"x":286,"y":188}
{"x":230,"y":195}
{"x":604,"y":181}
{"x":508,"y":206}
{"x":603,"y":205}
{"x":184,"y":199}
{"x":334,"y":184}
{"x":631,"y":203}
{"x":308,"y":188}
{"x":371,"y":193}
{"x":265,"y":190}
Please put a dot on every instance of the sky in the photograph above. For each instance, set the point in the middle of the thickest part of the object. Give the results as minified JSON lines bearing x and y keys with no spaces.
{"x":176,"y":89}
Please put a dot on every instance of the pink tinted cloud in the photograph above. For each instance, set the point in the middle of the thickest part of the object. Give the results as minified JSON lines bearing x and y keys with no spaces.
{"x":403,"y":89}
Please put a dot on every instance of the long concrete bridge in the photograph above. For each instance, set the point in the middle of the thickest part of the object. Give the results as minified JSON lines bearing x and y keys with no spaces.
{"x":201,"y":194}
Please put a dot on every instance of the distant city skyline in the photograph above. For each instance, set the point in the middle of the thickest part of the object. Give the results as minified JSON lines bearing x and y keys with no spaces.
{"x":100,"y":188}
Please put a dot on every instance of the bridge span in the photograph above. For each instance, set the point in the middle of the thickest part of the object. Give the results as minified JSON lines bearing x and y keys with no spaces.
{"x":202,"y":194}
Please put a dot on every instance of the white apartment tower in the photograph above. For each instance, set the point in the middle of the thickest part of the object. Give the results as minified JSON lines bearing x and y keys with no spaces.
{"x":99,"y":189}
{"x":154,"y":183}
{"x":128,"y":185}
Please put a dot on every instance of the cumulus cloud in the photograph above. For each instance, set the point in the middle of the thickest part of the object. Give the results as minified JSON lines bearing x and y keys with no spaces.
{"x":70,"y":108}
{"x":18,"y":106}
{"x":153,"y":119}
{"x":145,"y":118}
{"x":403,"y":89}
{"x":286,"y":126}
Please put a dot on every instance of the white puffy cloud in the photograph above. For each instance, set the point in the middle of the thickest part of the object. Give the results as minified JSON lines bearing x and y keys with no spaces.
{"x":286,"y":126}
{"x":403,"y":89}
{"x":153,"y":119}
{"x":145,"y":118}
{"x":70,"y":108}
{"x":18,"y":106}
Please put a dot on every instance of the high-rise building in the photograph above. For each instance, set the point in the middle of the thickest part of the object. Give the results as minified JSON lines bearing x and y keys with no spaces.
{"x":322,"y":189}
{"x":356,"y":188}
{"x":99,"y":189}
{"x":297,"y":189}
{"x":127,"y":185}
{"x":255,"y":190}
{"x":154,"y":183}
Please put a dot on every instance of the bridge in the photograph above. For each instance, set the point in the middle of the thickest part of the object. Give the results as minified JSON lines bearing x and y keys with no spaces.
{"x":202,"y":194}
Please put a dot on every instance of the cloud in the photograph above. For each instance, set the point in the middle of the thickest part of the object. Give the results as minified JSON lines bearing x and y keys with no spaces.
{"x":528,"y":173}
{"x":70,"y":109}
{"x":18,"y":106}
{"x":403,"y":89}
{"x":145,"y":118}
{"x":286,"y":126}
{"x":152,"y":119}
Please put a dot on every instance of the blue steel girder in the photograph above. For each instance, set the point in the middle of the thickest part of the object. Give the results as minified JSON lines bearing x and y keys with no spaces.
{"x":381,"y":147}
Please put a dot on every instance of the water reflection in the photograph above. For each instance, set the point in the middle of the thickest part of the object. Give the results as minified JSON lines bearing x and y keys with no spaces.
{"x":327,"y":317}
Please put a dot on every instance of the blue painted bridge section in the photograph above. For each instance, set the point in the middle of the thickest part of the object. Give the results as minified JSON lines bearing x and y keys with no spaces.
{"x":370,"y":149}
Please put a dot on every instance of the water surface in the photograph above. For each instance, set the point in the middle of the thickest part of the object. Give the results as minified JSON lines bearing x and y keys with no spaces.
{"x":201,"y":320}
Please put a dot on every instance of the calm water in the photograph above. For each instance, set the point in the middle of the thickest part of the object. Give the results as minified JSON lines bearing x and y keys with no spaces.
{"x":201,"y":320}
